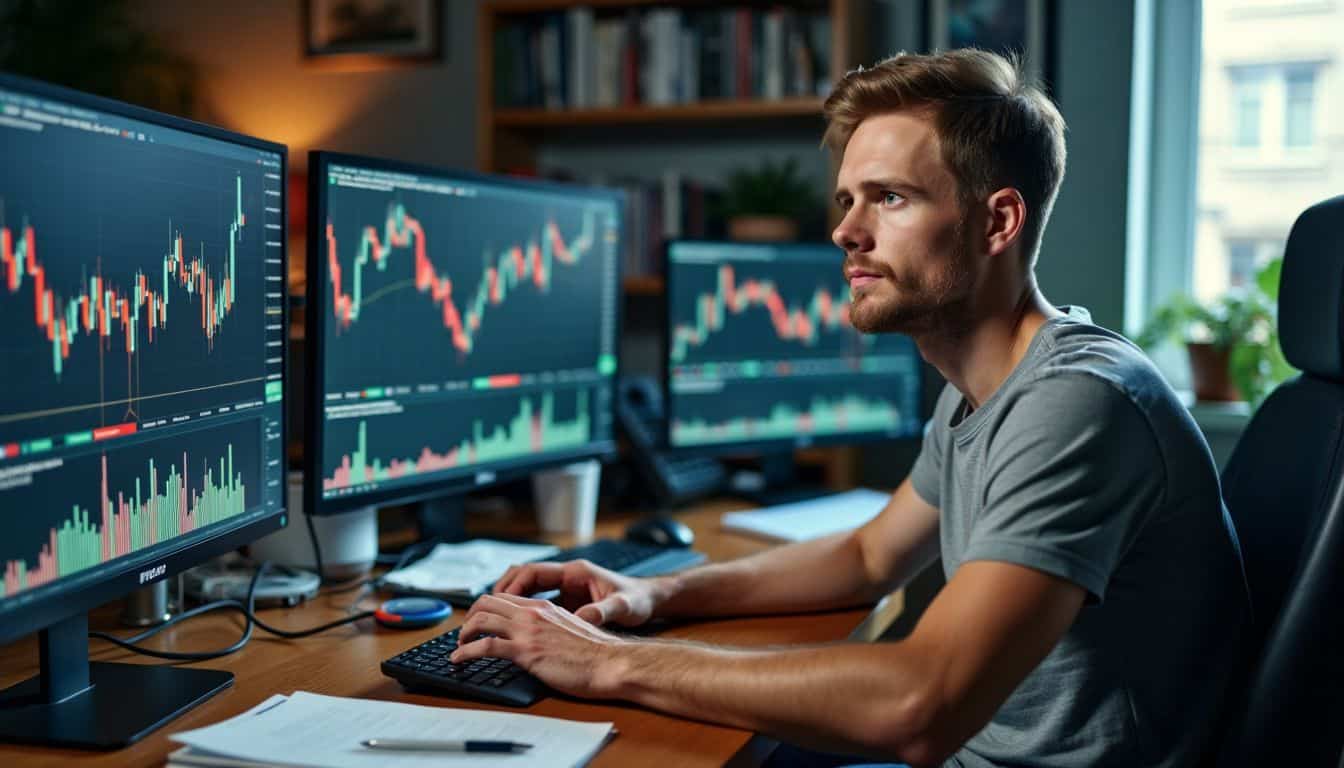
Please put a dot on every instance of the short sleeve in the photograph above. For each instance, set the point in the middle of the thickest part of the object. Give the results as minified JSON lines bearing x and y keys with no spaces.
{"x":1072,"y":475}
{"x":927,"y":474}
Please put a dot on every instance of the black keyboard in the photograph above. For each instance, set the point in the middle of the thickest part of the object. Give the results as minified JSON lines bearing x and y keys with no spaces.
{"x":498,"y":681}
{"x":630,"y":558}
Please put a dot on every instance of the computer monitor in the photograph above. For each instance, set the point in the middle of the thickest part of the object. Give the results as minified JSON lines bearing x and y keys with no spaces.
{"x":142,"y":287}
{"x":462,"y":329}
{"x":761,"y":356}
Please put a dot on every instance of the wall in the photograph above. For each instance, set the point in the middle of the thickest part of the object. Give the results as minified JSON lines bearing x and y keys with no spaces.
{"x":253,"y":79}
{"x":1083,"y":253}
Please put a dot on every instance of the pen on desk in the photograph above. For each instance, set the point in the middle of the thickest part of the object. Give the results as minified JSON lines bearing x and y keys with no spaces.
{"x":438,"y":745}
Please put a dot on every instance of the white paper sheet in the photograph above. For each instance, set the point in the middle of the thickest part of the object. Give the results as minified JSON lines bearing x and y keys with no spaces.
{"x":309,"y":729}
{"x":467,"y":568}
{"x":810,"y":519}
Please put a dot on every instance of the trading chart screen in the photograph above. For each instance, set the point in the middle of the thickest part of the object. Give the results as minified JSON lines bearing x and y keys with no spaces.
{"x":142,"y":280}
{"x":760,"y":350}
{"x":468,"y":326}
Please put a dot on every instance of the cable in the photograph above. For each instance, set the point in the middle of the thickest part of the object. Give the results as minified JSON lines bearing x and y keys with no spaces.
{"x":317,"y":550}
{"x":250,"y":619}
{"x":129,"y":644}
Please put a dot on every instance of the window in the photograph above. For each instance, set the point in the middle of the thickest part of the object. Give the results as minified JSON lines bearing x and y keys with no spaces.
{"x":1233,"y":127}
{"x":1246,"y":87}
{"x":1245,"y":257}
{"x":1298,"y":113}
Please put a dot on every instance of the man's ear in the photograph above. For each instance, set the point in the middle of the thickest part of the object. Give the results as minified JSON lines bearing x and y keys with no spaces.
{"x":1006,"y":214}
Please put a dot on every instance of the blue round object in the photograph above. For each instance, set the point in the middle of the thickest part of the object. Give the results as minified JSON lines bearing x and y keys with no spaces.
{"x":412,"y":612}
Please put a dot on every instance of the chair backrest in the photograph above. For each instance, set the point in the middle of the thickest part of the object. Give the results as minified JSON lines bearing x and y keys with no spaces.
{"x":1284,"y":487}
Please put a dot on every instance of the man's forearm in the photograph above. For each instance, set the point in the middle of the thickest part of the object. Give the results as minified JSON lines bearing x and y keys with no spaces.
{"x":813,"y":575}
{"x":860,"y":699}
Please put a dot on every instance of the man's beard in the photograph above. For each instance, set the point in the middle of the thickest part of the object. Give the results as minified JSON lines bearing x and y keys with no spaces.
{"x":919,"y":305}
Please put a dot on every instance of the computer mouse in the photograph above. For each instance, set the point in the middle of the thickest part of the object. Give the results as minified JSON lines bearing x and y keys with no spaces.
{"x":660,"y":531}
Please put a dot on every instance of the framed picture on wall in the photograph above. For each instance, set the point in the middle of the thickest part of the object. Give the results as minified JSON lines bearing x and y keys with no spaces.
{"x":372,"y":34}
{"x":1023,"y":27}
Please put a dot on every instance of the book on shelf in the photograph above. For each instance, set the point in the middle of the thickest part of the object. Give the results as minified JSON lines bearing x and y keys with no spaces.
{"x":584,"y":58}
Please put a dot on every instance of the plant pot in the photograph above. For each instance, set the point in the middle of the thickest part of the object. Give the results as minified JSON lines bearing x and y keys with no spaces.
{"x":1209,"y":372}
{"x":762,"y":228}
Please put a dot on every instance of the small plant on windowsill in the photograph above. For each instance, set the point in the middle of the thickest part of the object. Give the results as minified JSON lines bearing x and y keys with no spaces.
{"x":1232,"y":341}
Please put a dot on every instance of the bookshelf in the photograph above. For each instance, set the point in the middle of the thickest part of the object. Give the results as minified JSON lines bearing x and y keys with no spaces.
{"x":508,"y":136}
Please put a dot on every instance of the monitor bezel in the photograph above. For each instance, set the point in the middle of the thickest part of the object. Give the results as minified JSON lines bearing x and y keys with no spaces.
{"x":315,"y":317}
{"x":764,"y":445}
{"x":71,"y":600}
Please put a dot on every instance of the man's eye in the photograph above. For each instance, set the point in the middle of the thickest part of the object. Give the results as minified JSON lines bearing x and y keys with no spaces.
{"x":891,"y":198}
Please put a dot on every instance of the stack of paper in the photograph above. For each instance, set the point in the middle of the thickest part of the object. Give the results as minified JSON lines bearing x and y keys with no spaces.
{"x":307,"y":729}
{"x":810,"y":519}
{"x":464,"y":570}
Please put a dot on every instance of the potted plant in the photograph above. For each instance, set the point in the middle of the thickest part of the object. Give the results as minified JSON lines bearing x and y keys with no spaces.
{"x":767,"y":203}
{"x":1232,"y":341}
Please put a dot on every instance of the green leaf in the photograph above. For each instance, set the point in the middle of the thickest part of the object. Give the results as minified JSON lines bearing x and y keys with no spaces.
{"x":1267,"y":279}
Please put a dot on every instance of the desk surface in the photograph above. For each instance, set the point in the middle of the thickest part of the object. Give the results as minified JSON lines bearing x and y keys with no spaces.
{"x":344,"y":662}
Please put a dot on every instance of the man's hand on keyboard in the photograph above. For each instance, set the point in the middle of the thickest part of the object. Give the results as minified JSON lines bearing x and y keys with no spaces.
{"x":593,"y":593}
{"x":560,"y":649}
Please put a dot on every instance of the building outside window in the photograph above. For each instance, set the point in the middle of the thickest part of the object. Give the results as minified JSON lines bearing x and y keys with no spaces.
{"x":1299,"y":111}
{"x":1247,"y":84}
{"x":1269,"y":82}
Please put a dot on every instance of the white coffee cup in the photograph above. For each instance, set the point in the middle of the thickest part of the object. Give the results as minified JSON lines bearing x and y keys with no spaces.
{"x":566,"y":498}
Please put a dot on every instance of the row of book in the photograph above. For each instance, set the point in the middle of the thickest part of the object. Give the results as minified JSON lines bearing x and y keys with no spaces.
{"x":583,"y":59}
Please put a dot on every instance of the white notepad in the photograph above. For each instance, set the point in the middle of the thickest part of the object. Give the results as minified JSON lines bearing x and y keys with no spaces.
{"x":466,"y":569}
{"x":811,"y":519}
{"x":311,"y":730}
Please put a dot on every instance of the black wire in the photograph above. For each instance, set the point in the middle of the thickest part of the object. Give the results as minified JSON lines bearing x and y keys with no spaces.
{"x":130,"y":643}
{"x":250,"y":619}
{"x":317,"y":550}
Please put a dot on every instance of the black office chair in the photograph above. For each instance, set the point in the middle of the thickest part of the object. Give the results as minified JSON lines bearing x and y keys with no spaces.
{"x":1284,"y":487}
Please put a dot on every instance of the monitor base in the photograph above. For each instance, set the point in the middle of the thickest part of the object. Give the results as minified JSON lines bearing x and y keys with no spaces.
{"x":776,"y":481}
{"x":101,"y":705}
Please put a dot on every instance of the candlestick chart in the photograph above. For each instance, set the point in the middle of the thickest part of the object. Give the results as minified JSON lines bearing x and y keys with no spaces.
{"x":760,"y":348}
{"x":125,"y":292}
{"x":424,"y":286}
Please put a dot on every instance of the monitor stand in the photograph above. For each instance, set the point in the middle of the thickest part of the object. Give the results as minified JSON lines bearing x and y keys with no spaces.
{"x":776,"y":482}
{"x":99,"y":705}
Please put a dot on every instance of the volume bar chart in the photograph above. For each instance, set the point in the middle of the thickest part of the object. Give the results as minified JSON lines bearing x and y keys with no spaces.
{"x":819,"y":416}
{"x":127,"y":501}
{"x":411,"y":443}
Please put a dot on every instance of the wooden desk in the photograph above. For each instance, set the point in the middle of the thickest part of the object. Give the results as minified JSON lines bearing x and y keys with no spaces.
{"x":344,"y":662}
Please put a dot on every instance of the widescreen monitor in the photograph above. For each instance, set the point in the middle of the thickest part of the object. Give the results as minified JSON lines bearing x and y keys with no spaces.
{"x":462,"y":329}
{"x":142,"y":297}
{"x":761,"y":355}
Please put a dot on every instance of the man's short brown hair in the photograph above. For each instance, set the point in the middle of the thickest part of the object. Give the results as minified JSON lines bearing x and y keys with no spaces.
{"x":996,"y":128}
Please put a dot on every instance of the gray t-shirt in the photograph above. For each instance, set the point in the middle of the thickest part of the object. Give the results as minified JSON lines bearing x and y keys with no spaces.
{"x":1084,"y":465}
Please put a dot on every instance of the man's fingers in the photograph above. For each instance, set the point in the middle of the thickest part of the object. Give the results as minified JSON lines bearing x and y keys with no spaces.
{"x":530,"y":578}
{"x":484,"y":624}
{"x":612,"y":608}
{"x":502,"y":605}
{"x":516,"y":602}
{"x":495,"y":647}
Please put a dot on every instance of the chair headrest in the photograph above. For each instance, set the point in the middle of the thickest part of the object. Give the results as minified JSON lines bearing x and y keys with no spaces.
{"x":1311,"y":291}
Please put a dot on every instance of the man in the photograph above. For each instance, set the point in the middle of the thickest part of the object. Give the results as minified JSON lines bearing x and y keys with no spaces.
{"x":1094,"y":589}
